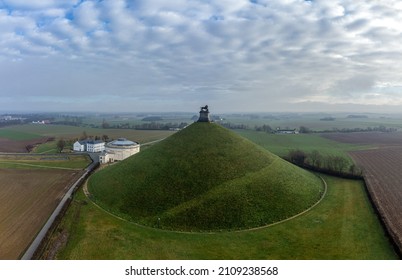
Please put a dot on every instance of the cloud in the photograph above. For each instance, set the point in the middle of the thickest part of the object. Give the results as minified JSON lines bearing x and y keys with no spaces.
{"x":254,"y":55}
{"x":37,"y":4}
{"x":87,"y":16}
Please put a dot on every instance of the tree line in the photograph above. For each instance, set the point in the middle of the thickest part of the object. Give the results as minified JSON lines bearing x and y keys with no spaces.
{"x":304,"y":129}
{"x":145,"y":126}
{"x":330,"y":164}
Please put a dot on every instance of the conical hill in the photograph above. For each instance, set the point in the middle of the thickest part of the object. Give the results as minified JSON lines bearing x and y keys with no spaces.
{"x":205,"y":177}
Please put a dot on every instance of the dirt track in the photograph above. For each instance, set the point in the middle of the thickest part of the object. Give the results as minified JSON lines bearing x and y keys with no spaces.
{"x":27,"y":198}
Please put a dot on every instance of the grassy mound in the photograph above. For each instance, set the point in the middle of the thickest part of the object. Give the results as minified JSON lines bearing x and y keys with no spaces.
{"x":205,"y":177}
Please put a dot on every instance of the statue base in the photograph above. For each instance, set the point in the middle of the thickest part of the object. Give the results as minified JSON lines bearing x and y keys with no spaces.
{"x":204,"y":117}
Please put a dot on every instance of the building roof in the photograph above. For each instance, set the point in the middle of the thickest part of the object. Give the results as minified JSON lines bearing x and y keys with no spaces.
{"x":95,"y":142}
{"x":83,"y":142}
{"x":122,"y":142}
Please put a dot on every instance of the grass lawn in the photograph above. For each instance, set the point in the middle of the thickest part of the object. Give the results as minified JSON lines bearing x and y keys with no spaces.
{"x":46,"y":148}
{"x":342,"y":226}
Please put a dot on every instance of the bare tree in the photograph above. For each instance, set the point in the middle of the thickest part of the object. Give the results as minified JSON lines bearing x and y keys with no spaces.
{"x":105,"y":137}
{"x":304,"y":129}
{"x":84,"y":136}
{"x":61,"y":144}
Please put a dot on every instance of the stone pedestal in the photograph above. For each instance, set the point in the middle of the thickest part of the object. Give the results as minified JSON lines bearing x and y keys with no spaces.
{"x":204,"y":115}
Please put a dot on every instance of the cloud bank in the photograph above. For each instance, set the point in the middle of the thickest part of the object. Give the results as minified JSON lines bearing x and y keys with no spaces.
{"x":236,"y":55}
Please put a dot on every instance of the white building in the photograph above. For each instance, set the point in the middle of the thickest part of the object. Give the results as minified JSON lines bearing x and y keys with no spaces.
{"x":286,"y":131}
{"x":119,"y":149}
{"x":92,"y":146}
{"x":79,"y":146}
{"x":95,"y":146}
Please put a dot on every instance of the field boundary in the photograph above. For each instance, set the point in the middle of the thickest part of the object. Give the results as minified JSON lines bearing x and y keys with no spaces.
{"x":375,"y":190}
{"x":88,"y":195}
{"x":392,"y":236}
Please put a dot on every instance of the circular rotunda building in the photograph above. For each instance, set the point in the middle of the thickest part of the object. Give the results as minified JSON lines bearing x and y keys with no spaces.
{"x":119,"y":149}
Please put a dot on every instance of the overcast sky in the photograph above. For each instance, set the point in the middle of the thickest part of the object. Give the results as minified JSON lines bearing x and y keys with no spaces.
{"x":176,"y":55}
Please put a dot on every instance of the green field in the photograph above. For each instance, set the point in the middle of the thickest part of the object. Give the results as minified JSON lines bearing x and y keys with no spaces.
{"x":72,"y":132}
{"x":135,"y":120}
{"x":342,"y":226}
{"x":18,"y":135}
{"x":281,"y":144}
{"x":313,"y":122}
{"x":46,"y":148}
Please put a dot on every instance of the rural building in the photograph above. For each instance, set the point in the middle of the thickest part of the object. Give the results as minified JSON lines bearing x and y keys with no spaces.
{"x":41,"y":122}
{"x":93,"y":146}
{"x":119,"y":149}
{"x":286,"y":131}
{"x":79,"y":146}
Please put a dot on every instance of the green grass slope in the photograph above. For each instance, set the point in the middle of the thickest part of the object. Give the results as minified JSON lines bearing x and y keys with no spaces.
{"x":205,"y":177}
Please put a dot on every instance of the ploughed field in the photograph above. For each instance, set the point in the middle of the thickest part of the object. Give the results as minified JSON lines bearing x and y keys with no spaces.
{"x":19,"y":146}
{"x":382,"y":172}
{"x":380,"y":139}
{"x":27,"y":199}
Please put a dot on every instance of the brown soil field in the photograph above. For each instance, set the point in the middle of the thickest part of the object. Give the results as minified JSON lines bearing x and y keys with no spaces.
{"x":383,"y":176}
{"x":27,"y":199}
{"x":12,"y":146}
{"x":367,"y":138}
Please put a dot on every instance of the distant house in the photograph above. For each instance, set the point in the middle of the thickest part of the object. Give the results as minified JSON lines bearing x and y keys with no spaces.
{"x":41,"y":122}
{"x":92,"y":146}
{"x":286,"y":131}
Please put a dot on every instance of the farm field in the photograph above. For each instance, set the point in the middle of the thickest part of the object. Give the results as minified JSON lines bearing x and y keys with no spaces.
{"x":281,"y":144}
{"x":384,"y":181}
{"x":27,"y":198}
{"x":71,"y":132}
{"x":335,"y":229}
{"x":17,"y":141}
{"x":19,"y":136}
{"x":313,"y":122}
{"x":378,"y":139}
{"x":34,"y":161}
